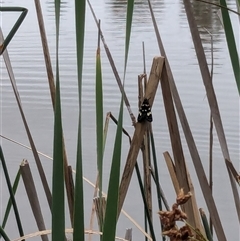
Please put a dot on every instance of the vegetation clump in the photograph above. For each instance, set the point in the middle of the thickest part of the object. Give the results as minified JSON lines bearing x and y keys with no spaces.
{"x":169,"y":218}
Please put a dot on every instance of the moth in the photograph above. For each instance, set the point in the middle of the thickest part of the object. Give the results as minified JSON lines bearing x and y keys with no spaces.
{"x":145,"y":112}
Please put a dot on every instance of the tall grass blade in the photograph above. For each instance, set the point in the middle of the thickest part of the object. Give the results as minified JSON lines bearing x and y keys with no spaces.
{"x":114,"y":69}
{"x":3,"y":234}
{"x":9,"y":185}
{"x":78,"y":223}
{"x":130,"y":7}
{"x":147,"y":213}
{"x":99,"y":115}
{"x":156,"y":177}
{"x":231,"y":43}
{"x":205,"y":225}
{"x":9,"y":204}
{"x":58,"y":215}
{"x":110,"y":221}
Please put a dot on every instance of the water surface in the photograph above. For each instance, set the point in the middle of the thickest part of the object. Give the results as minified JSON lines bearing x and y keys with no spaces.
{"x":29,"y":69}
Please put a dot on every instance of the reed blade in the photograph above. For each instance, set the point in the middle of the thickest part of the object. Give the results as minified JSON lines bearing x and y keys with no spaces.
{"x":78,"y":223}
{"x":110,"y":221}
{"x":9,"y":204}
{"x":10,"y":189}
{"x":232,"y":48}
{"x":58,"y":214}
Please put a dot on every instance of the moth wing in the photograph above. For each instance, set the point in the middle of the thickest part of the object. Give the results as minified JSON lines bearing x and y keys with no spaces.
{"x":141,"y":116}
{"x":149,"y":117}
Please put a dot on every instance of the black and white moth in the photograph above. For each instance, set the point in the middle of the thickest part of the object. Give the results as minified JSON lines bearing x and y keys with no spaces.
{"x":145,"y":112}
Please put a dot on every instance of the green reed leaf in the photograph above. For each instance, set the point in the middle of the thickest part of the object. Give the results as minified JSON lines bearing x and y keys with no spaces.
{"x":130,"y":7}
{"x":206,"y":225}
{"x":78,"y":219}
{"x":9,"y":204}
{"x":110,"y":221}
{"x":58,"y":215}
{"x":232,"y":48}
{"x":3,"y":234}
{"x":99,"y":119}
{"x":10,"y":189}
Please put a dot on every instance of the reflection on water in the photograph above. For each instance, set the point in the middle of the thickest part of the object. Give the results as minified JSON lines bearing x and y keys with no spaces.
{"x":205,"y":14}
{"x":51,"y":8}
{"x":141,"y":10}
{"x":207,"y":19}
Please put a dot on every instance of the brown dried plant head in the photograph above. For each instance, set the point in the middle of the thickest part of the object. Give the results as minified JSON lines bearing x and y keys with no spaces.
{"x":169,"y":218}
{"x":183,"y":198}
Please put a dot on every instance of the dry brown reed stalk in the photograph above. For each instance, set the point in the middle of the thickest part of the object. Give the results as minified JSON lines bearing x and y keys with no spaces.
{"x":213,"y":104}
{"x":145,"y":148}
{"x":147,"y":171}
{"x":100,"y":208}
{"x":179,"y":159}
{"x":140,"y":129}
{"x":189,"y":139}
{"x":140,"y":89}
{"x":169,"y":219}
{"x":172,"y":171}
{"x":32,"y":196}
{"x":211,"y":132}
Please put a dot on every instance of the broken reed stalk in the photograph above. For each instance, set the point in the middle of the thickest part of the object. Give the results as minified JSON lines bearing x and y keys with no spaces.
{"x":32,"y":196}
{"x":139,"y":131}
{"x":68,"y":184}
{"x":128,"y":235}
{"x":179,"y":160}
{"x":172,"y":171}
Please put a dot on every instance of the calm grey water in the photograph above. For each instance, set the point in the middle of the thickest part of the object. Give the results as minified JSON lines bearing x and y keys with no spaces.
{"x":28,"y":65}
